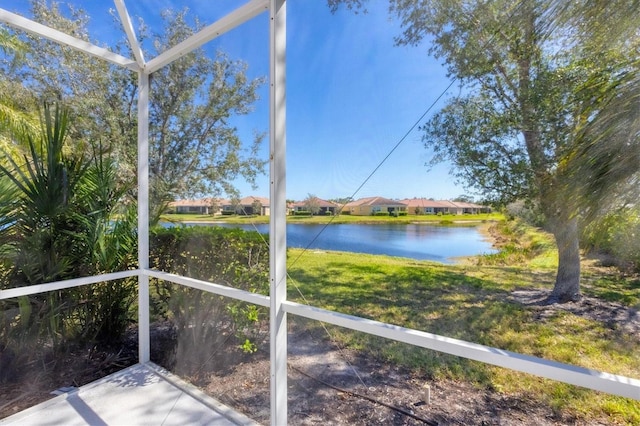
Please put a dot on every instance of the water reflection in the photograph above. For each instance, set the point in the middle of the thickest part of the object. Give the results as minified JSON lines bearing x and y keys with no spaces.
{"x":416,"y":241}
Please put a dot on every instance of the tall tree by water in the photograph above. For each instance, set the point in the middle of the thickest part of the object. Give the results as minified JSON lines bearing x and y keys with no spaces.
{"x":533,"y":91}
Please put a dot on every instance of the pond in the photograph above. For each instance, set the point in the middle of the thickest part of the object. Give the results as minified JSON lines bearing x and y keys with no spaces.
{"x":416,"y":241}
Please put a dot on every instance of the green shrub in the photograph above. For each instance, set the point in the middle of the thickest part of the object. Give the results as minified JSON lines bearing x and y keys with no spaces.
{"x":615,"y":234}
{"x":208,"y":323}
{"x":380,"y":214}
{"x":302,"y":213}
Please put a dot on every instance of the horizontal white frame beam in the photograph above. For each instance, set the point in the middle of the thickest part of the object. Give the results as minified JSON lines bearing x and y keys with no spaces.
{"x":221,"y":26}
{"x":234,"y":293}
{"x":591,"y":379}
{"x":61,"y":285}
{"x":33,"y":27}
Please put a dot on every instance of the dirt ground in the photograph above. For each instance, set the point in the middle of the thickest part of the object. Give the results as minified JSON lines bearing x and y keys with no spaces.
{"x":331,"y":386}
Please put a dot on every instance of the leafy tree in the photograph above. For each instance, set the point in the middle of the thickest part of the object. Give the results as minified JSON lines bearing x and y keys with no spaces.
{"x":606,"y":162}
{"x":193,"y":147}
{"x":341,"y":202}
{"x":214,"y":205}
{"x":464,"y":199}
{"x":312,"y":204}
{"x":235,"y":203}
{"x":17,"y":111}
{"x":100,"y":97}
{"x":256,"y":207}
{"x":532,"y":89}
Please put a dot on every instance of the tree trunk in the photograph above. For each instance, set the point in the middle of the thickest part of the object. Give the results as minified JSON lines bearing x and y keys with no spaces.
{"x":567,"y":286}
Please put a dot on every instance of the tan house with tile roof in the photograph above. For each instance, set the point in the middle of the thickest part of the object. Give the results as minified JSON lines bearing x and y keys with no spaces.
{"x":471,"y":208}
{"x":371,"y":206}
{"x":324,"y":207}
{"x":250,"y":205}
{"x":212,"y":206}
{"x":417,"y":206}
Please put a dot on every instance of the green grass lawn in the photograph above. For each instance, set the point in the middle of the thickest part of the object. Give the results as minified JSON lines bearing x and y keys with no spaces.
{"x":473,"y":302}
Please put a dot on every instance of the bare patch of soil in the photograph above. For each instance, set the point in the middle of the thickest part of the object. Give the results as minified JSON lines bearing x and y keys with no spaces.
{"x":611,"y":314}
{"x":329,"y":386}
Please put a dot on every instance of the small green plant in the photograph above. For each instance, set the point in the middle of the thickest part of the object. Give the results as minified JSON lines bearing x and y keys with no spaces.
{"x":248,"y":347}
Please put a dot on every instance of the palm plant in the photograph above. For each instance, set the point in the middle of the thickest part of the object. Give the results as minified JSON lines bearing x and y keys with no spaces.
{"x":111,"y":241}
{"x":64,"y":219}
{"x":45,"y":182}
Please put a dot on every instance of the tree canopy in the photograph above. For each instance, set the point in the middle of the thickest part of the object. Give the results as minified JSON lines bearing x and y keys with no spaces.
{"x":194,"y":147}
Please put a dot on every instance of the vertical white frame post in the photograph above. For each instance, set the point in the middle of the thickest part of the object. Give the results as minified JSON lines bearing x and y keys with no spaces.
{"x":144,"y":350}
{"x":278,"y":217}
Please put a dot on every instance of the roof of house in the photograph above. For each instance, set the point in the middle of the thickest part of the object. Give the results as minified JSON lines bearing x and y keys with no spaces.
{"x":318,"y":201}
{"x":248,"y":201}
{"x":202,"y":202}
{"x":425,"y":202}
{"x":469,"y":205}
{"x":374,"y":201}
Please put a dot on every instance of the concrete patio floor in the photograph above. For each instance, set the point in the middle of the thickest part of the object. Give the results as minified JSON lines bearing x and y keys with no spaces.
{"x":143,"y":394}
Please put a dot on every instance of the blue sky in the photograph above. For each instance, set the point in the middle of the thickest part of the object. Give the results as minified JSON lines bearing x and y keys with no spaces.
{"x":351,"y":95}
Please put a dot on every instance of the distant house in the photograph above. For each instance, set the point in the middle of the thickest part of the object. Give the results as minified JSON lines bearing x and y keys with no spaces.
{"x":212,"y":206}
{"x":419,"y":206}
{"x":322,"y":207}
{"x":250,"y":205}
{"x":471,"y":208}
{"x":371,"y":206}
